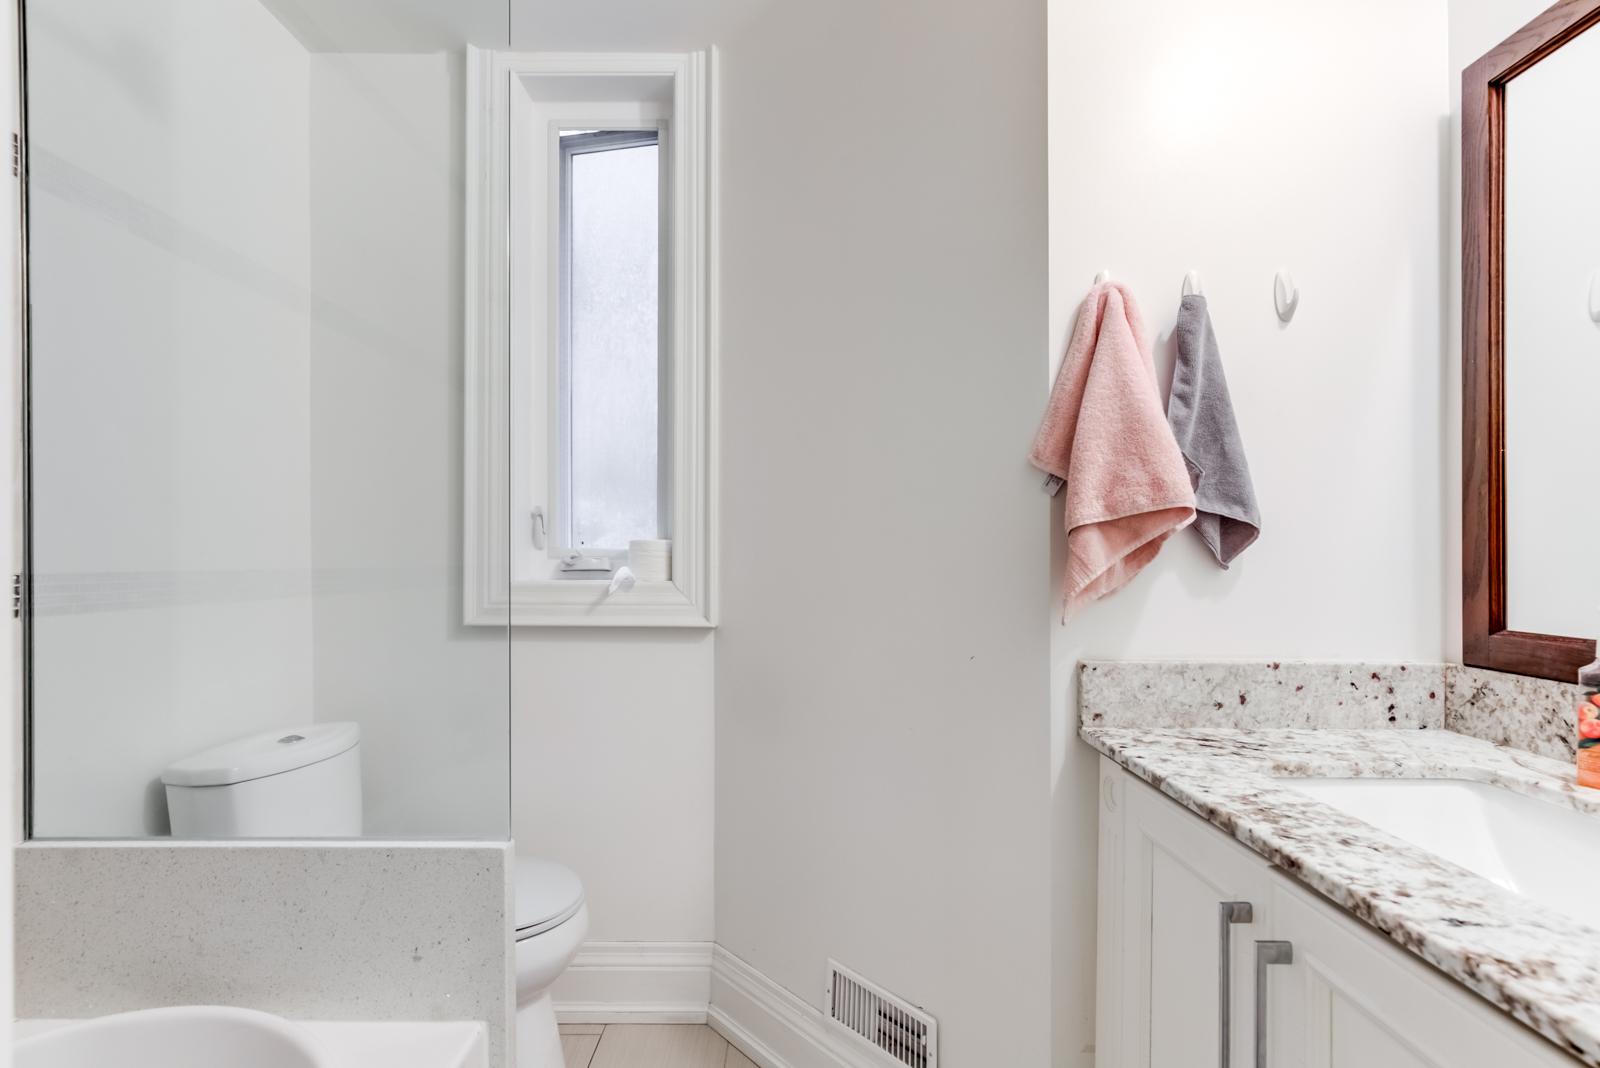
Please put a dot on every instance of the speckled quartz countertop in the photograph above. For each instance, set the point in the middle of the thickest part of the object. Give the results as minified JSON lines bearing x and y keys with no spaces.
{"x":1537,"y":964}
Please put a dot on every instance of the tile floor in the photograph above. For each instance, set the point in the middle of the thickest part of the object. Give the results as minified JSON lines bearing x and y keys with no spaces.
{"x":648,"y":1046}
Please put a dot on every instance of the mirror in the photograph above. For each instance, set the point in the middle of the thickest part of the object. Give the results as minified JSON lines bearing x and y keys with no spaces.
{"x":1531,"y":347}
{"x":1552,"y":342}
{"x":246,"y":406}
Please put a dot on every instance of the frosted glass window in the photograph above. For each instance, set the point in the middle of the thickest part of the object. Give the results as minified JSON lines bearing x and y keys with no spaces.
{"x":609,"y":428}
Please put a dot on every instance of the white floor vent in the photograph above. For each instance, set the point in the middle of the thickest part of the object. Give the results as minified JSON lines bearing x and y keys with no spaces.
{"x":864,"y":1008}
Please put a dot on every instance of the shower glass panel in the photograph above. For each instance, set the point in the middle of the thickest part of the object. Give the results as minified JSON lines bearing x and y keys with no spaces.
{"x":245,"y":390}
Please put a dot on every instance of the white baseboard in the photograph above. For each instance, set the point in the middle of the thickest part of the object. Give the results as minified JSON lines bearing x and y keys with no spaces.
{"x":635,"y":982}
{"x":776,"y":1029}
{"x":699,"y":982}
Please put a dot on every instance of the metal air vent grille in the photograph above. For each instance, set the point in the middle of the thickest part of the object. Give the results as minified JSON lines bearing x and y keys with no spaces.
{"x":907,"y":1034}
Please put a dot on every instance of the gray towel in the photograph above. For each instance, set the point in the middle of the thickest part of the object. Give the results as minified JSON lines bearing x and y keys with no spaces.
{"x":1201,"y":416}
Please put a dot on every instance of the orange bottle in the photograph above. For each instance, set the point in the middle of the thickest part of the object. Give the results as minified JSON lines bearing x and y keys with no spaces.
{"x":1589,"y":726}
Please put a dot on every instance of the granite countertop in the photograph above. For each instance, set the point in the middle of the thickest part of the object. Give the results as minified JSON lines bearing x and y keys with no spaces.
{"x":1535,"y":963}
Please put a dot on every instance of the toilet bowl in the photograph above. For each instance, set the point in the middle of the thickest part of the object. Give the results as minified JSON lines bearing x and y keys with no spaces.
{"x":552,"y":922}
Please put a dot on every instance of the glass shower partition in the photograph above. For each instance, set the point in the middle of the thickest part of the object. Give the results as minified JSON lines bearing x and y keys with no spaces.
{"x":245,"y":404}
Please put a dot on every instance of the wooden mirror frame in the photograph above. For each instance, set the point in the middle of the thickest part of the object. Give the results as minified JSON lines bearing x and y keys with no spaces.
{"x":1485,"y":640}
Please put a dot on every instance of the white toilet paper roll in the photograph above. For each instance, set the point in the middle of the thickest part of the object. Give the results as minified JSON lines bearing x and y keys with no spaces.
{"x":651,"y":560}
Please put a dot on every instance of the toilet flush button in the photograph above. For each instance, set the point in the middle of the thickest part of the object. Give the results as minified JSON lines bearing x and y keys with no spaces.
{"x":287,"y":738}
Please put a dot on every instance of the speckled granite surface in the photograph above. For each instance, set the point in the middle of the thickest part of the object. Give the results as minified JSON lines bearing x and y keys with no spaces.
{"x":1525,"y":713}
{"x":1533,"y":962}
{"x":1157,"y":693}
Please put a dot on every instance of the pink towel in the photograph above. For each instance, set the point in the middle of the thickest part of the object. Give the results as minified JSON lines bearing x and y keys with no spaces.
{"x":1106,"y":436}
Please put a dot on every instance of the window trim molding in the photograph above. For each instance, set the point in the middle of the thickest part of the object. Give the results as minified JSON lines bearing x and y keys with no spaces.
{"x":490,"y":597}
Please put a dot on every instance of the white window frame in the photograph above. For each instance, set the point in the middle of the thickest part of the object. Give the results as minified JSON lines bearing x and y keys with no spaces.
{"x":498,"y":361}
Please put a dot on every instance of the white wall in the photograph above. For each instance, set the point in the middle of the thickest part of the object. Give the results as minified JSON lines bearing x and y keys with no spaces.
{"x":882,"y":660}
{"x":170,"y":395}
{"x":431,"y":694}
{"x":612,"y":750}
{"x":625,"y":25}
{"x":1237,"y":138}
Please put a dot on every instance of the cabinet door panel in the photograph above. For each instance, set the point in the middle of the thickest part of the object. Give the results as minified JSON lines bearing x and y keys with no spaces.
{"x":1356,"y":1040}
{"x":1183,"y":963}
{"x":1163,"y":880}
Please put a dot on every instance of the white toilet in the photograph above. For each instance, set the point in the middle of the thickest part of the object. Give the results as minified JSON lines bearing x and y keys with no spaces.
{"x":552,"y":922}
{"x":305,"y":782}
{"x":294,"y":782}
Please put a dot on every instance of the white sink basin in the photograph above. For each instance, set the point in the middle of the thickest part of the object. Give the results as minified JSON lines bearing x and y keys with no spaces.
{"x":190,"y":1036}
{"x":1549,"y":853}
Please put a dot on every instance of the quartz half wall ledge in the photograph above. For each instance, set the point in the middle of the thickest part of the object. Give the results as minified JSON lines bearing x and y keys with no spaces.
{"x":1534,"y":715}
{"x":345,"y":930}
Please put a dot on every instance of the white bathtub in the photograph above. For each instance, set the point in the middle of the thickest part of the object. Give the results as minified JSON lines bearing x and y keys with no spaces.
{"x":242,"y":1038}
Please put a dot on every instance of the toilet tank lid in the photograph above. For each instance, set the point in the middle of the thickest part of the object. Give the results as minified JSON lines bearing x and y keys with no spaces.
{"x":268,"y":753}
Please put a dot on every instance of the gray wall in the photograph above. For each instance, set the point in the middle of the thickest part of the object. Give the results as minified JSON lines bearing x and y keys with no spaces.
{"x":882,"y":664}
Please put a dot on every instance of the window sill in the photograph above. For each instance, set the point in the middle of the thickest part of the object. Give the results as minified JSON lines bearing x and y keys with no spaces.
{"x":586,"y":603}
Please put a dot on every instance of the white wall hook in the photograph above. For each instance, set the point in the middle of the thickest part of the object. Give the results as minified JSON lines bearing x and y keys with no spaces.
{"x":1103,"y":276}
{"x":1285,"y":296}
{"x":1191,"y":285}
{"x":1594,"y":296}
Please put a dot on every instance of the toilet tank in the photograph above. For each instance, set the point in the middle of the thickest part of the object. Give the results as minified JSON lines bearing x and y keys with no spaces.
{"x":297,"y":782}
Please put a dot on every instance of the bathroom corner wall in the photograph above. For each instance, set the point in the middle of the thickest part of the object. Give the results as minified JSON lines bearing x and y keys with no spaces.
{"x":326,"y":931}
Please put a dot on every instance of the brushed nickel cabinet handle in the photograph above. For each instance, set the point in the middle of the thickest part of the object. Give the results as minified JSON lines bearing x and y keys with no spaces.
{"x":1232,"y":912}
{"x":1267,"y":953}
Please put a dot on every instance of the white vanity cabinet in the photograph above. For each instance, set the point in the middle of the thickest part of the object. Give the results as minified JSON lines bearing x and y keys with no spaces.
{"x":1348,"y":998}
